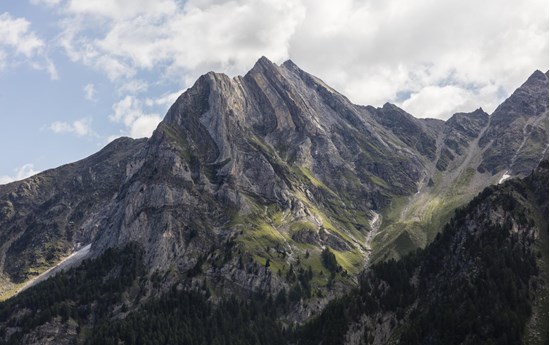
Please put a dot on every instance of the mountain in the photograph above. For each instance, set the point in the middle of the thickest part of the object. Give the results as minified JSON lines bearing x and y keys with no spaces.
{"x":271,"y":183}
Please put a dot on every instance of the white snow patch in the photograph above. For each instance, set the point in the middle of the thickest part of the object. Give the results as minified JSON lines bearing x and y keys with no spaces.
{"x":504,"y":177}
{"x":70,"y":261}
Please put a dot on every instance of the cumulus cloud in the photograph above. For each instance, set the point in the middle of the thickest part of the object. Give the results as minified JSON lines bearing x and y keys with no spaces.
{"x":165,"y":101}
{"x":89,"y":92}
{"x":81,"y":127}
{"x":144,"y":126}
{"x":21,"y":173}
{"x":437,"y":102}
{"x":183,"y":39}
{"x":16,"y":33}
{"x":18,"y":40}
{"x":133,"y":86}
{"x":372,"y":51}
{"x":130,"y":112}
{"x":380,"y":50}
{"x":49,"y":3}
{"x":440,"y":101}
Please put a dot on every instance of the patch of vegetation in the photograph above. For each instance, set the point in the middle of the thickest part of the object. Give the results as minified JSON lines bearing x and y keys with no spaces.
{"x":329,"y":260}
{"x":177,"y":138}
{"x":182,"y":317}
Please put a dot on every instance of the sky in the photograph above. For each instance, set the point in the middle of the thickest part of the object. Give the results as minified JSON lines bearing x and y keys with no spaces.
{"x":76,"y":74}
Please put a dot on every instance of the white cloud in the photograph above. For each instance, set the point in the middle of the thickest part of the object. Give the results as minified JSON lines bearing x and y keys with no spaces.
{"x":372,"y":51}
{"x":81,"y":127}
{"x":49,"y":3}
{"x":15,"y":33}
{"x":18,"y":40}
{"x":89,"y":92}
{"x":440,"y":101}
{"x":50,"y":67}
{"x":129,"y":111}
{"x":437,"y":102}
{"x":21,"y":173}
{"x":165,"y":101}
{"x":121,"y":9}
{"x":144,"y":126}
{"x":184,"y":40}
{"x":134,"y":86}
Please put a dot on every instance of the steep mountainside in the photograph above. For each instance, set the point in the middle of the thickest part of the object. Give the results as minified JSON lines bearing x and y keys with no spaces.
{"x":48,"y":215}
{"x":250,"y":182}
{"x":518,"y":129}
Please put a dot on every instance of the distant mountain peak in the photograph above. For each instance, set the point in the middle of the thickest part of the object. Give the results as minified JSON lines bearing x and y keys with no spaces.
{"x":290,"y":65}
{"x":263,"y":64}
{"x":536,"y":80}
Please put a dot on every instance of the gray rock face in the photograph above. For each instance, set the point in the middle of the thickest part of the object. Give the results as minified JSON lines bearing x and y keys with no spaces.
{"x":462,"y":128}
{"x":278,"y":155}
{"x":410,"y":130}
{"x":271,"y":166}
{"x":518,"y":129}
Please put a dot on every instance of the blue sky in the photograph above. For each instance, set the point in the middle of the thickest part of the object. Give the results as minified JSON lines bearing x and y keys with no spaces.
{"x":76,"y":74}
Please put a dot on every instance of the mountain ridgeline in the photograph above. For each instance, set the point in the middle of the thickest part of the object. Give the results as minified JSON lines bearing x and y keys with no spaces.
{"x":276,"y":186}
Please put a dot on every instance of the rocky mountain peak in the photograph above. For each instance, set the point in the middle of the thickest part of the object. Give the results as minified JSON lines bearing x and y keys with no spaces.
{"x":289,"y":64}
{"x":518,"y":129}
{"x":536,"y":80}
{"x":530,"y":99}
{"x":469,"y":123}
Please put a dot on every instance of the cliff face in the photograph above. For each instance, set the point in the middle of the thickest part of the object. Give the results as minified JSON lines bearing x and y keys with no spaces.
{"x":482,"y":280}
